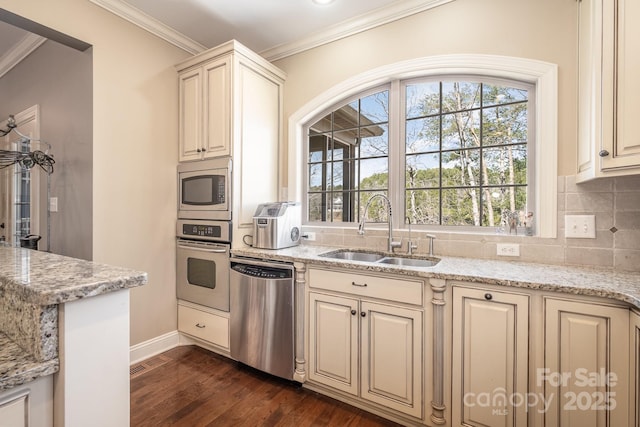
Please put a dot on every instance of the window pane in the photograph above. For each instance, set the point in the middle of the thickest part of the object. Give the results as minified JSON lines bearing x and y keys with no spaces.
{"x":374,"y":141}
{"x":505,"y":165}
{"x":346,"y":117}
{"x":461,"y":130}
{"x":458,"y":96}
{"x":374,"y":174}
{"x":316,"y":207}
{"x":461,"y":168}
{"x":423,"y":170}
{"x":345,"y":137}
{"x":460,"y":207}
{"x":423,"y":206}
{"x":374,"y":108}
{"x":422,"y":135}
{"x":495,"y":94}
{"x":501,"y":203}
{"x":339,"y":180}
{"x":422,"y":99}
{"x":505,"y":125}
{"x":317,"y":148}
{"x":315,"y":176}
{"x":322,"y":125}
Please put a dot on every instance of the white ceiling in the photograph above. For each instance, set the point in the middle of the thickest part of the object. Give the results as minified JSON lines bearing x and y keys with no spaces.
{"x":274,"y":28}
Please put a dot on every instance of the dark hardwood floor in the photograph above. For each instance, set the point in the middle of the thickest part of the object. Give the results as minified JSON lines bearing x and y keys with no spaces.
{"x":189,"y":386}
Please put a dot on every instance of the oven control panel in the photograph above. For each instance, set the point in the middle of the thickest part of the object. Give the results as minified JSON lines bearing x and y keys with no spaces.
{"x":214,"y":231}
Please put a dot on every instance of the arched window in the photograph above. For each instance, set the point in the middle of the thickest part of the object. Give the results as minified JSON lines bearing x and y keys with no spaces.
{"x":455,"y":145}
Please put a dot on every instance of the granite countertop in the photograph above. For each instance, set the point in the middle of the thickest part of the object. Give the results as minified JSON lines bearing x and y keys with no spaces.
{"x":44,"y":278}
{"x":32,"y":285}
{"x":621,"y":286}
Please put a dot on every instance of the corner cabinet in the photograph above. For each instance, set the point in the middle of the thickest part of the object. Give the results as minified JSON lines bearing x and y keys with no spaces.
{"x":608,"y":88}
{"x":228,"y":93}
{"x":365,"y":338}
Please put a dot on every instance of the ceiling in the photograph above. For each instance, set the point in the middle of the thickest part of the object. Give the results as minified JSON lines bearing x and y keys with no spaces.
{"x":274,"y":28}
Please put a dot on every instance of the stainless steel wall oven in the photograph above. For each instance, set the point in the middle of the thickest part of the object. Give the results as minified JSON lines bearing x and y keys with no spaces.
{"x":202,"y":262}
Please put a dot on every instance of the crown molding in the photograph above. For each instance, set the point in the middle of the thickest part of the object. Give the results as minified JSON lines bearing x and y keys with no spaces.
{"x":19,"y":51}
{"x":375,"y":18}
{"x":150,"y":24}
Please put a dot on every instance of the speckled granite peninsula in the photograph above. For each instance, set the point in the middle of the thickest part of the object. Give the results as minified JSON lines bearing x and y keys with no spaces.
{"x":33,"y":285}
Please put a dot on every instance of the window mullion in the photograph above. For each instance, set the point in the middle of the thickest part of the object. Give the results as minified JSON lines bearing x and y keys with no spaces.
{"x":396,"y":189}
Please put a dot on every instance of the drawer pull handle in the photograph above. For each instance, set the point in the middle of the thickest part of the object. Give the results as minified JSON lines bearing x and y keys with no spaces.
{"x":488,"y":296}
{"x":362,"y":285}
{"x":198,"y":325}
{"x":353,"y":312}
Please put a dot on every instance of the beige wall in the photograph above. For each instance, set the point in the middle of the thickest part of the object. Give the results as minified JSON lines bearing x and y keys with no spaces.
{"x":542,"y":30}
{"x":135,"y":128}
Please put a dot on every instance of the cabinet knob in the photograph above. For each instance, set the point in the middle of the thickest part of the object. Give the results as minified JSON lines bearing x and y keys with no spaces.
{"x":198,"y":150}
{"x":603,"y":153}
{"x":488,"y":296}
{"x":353,"y":312}
{"x":204,"y":149}
{"x":363,"y":314}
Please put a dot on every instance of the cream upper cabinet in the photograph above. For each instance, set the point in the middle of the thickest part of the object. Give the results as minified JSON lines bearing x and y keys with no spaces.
{"x":586,"y":372}
{"x":608,"y":88}
{"x":360,"y":345}
{"x":490,"y":357}
{"x":229,"y":98}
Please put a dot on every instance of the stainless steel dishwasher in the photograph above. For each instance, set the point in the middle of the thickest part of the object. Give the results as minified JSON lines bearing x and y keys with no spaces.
{"x":261,"y":315}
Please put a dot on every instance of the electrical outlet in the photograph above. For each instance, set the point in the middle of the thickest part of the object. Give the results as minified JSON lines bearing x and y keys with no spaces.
{"x":53,"y":204}
{"x":309,"y":235}
{"x":508,"y":249}
{"x":580,"y":226}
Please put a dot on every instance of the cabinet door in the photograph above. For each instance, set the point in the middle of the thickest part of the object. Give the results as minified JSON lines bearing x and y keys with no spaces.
{"x":391,"y":364}
{"x":190,"y":138}
{"x":333,"y":341}
{"x":14,"y":412}
{"x":490,"y":357}
{"x":586,"y":369}
{"x":217,"y":108}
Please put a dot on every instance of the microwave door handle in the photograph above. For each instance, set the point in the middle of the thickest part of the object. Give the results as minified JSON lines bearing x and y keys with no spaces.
{"x":193,"y":248}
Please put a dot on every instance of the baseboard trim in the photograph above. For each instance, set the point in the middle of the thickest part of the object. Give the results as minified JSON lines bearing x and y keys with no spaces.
{"x":157,"y":345}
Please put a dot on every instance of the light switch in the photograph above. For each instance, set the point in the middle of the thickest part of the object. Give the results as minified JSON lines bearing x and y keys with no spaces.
{"x":580,"y":226}
{"x":53,"y":204}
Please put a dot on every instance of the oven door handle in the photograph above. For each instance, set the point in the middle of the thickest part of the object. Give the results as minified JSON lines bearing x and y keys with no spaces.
{"x":195,"y":248}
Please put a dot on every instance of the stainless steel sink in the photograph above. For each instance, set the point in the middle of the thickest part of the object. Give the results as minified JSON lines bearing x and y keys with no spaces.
{"x":409,"y":262}
{"x":380,"y":258}
{"x":354,"y":256}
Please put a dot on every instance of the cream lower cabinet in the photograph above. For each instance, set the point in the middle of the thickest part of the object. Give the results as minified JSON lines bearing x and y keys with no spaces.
{"x":586,"y":370}
{"x":490,"y":357}
{"x":204,"y":323}
{"x":369,"y":349}
{"x":28,"y":405}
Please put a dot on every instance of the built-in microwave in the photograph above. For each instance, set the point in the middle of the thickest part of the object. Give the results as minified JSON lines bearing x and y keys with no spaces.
{"x":204,"y":189}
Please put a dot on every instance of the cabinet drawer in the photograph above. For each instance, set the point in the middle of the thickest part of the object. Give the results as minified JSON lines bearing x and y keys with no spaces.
{"x":400,"y":290}
{"x":206,"y":326}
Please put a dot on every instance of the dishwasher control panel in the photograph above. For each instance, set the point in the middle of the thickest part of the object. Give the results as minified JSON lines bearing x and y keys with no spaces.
{"x":261,"y":271}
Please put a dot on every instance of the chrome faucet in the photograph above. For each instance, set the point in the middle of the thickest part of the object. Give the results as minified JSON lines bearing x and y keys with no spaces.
{"x":391,"y":244}
{"x":410,"y":245}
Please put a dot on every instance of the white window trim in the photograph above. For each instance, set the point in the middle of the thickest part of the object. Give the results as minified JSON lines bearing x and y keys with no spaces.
{"x":543,"y":75}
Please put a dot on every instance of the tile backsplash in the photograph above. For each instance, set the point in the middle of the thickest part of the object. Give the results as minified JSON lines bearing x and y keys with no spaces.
{"x":615,"y":202}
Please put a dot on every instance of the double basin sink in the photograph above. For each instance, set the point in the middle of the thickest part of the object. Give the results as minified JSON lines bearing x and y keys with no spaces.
{"x":380,"y":258}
